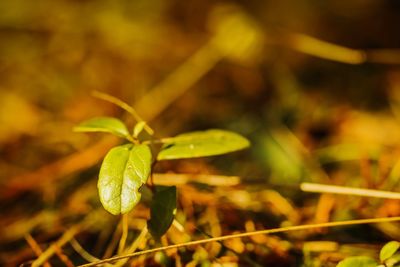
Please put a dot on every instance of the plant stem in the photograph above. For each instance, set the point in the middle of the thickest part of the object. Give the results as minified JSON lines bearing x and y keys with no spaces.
{"x":132,"y":247}
{"x":124,"y":235}
{"x":132,"y":140}
{"x":158,"y":141}
{"x":124,"y":106}
{"x":81,"y":251}
{"x":343,"y":190}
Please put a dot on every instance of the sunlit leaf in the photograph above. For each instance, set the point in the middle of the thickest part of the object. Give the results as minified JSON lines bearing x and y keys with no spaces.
{"x":138,"y":128}
{"x":358,"y":261}
{"x":202,"y":144}
{"x":388,"y":250}
{"x":103,"y":124}
{"x":123,"y":171}
{"x":394,"y":260}
{"x":162,"y":211}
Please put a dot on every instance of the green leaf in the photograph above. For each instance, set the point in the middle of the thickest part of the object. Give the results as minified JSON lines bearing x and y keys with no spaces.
{"x":162,"y":211}
{"x":358,"y":261}
{"x":202,"y":144}
{"x":138,"y":128}
{"x":283,"y":157}
{"x":393,"y":261}
{"x":388,"y":250}
{"x":103,"y":124}
{"x":123,"y":171}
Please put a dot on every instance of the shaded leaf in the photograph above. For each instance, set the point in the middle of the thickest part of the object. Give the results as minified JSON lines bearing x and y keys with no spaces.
{"x":103,"y":124}
{"x":388,"y":250}
{"x":202,"y":144}
{"x":123,"y":171}
{"x":162,"y":211}
{"x":283,"y":157}
{"x":358,"y":261}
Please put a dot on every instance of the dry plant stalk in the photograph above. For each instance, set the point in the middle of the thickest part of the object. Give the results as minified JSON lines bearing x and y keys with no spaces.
{"x":247,"y":234}
{"x":343,"y":190}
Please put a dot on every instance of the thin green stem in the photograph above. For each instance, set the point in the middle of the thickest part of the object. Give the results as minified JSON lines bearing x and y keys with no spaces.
{"x":132,"y":247}
{"x":124,"y":106}
{"x":81,"y":251}
{"x":124,"y":235}
{"x":132,"y":139}
{"x":158,"y":141}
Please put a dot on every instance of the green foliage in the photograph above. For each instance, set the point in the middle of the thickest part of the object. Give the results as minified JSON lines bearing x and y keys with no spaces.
{"x":202,"y":144}
{"x":103,"y":124}
{"x":127,"y":167}
{"x":283,"y":157}
{"x":387,"y":255}
{"x":389,"y":250}
{"x":162,"y":211}
{"x":393,"y":261}
{"x":358,"y":261}
{"x":124,"y":170}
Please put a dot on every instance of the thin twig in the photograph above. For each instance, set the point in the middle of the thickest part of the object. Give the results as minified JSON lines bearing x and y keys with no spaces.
{"x":247,"y":234}
{"x":36,"y":248}
{"x":64,"y":258}
{"x":67,"y":236}
{"x":343,"y":190}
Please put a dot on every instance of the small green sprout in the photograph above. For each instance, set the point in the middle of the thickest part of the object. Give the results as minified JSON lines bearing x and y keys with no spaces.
{"x":127,"y":167}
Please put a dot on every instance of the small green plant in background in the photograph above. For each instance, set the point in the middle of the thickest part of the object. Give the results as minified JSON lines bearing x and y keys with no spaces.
{"x":389,"y":256}
{"x":127,"y":167}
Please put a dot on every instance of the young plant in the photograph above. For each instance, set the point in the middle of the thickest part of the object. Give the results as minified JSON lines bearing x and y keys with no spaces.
{"x":127,"y":167}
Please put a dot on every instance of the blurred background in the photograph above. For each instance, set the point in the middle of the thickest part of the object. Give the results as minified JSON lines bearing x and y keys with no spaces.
{"x":315,"y":86}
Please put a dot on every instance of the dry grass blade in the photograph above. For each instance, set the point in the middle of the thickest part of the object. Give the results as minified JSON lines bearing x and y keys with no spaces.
{"x":35,"y":247}
{"x":64,"y":258}
{"x":181,"y":178}
{"x":173,"y":86}
{"x":326,"y":50}
{"x":60,"y":168}
{"x":315,"y":47}
{"x":81,"y":251}
{"x":343,"y":190}
{"x":247,"y":234}
{"x":66,"y":237}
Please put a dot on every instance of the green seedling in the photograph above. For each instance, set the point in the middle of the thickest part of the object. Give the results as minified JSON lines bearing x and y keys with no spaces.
{"x":127,"y":167}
